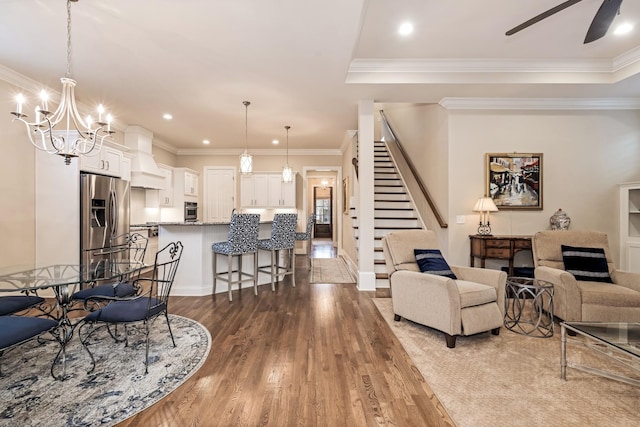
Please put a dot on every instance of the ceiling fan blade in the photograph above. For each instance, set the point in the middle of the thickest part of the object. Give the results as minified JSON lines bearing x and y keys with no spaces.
{"x":603,"y":19}
{"x":542,"y":16}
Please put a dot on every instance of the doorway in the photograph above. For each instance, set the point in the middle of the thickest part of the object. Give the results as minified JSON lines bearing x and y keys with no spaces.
{"x":323,"y":207}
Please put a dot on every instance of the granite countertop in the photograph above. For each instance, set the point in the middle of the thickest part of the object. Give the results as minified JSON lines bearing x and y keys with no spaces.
{"x":199,"y":223}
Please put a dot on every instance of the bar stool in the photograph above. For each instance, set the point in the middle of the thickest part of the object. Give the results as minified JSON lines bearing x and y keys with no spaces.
{"x":243,"y":239}
{"x":306,"y":235}
{"x":283,"y":233}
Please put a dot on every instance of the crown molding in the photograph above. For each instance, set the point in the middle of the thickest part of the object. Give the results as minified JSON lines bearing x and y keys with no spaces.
{"x":540,"y":103}
{"x":480,"y":65}
{"x":479,"y":70}
{"x":256,"y":152}
{"x":348,"y":140}
{"x":165,"y":146}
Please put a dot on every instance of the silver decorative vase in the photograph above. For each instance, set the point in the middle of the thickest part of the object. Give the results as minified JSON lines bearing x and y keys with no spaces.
{"x":560,"y":220}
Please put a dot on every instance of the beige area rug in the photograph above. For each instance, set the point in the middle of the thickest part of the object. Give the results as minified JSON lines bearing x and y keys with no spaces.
{"x":330,"y":270}
{"x":514,"y":380}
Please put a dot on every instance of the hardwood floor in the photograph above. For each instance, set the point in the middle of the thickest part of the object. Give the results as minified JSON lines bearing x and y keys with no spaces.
{"x":313,"y":355}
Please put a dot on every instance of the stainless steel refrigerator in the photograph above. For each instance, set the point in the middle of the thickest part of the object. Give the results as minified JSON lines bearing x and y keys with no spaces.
{"x":104,"y":214}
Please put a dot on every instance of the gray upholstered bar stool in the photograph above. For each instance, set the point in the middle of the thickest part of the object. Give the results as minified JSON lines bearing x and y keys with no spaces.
{"x":243,"y":239}
{"x":283,"y":237}
{"x":306,"y":235}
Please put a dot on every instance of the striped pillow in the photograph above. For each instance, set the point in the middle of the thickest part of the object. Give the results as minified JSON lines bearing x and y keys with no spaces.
{"x":431,"y":261}
{"x":588,"y":264}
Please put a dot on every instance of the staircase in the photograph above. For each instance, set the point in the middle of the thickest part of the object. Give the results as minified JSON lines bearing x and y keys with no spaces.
{"x":393,"y":208}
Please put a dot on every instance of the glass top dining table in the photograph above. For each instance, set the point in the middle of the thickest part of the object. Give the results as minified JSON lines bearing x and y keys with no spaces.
{"x":32,"y":278}
{"x":64,"y":280}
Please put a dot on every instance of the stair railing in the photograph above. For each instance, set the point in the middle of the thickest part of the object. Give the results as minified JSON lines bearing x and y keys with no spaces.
{"x":414,"y":172}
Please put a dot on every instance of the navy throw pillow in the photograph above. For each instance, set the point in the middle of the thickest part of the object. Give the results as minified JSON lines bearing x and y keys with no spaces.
{"x":431,"y":261}
{"x":589,"y":264}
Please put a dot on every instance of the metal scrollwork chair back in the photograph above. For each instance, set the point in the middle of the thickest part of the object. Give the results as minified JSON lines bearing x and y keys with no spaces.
{"x":151,"y":303}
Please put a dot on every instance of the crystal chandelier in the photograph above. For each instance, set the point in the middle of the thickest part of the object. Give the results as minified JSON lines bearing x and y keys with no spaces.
{"x":246,"y":161}
{"x":82,"y":136}
{"x":287,"y":173}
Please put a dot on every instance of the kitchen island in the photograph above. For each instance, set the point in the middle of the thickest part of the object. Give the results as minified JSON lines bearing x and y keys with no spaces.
{"x":195,"y":274}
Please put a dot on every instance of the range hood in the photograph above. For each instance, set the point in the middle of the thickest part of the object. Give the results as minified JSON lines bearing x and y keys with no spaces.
{"x":144,"y":171}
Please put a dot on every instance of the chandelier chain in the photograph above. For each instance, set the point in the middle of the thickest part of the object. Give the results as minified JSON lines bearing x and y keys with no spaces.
{"x":68,"y":74}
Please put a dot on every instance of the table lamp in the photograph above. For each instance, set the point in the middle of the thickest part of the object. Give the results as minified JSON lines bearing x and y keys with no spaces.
{"x":485,"y":205}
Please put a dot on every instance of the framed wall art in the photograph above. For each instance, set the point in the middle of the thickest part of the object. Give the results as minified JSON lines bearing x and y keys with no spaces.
{"x":514,"y":180}
{"x":345,"y":195}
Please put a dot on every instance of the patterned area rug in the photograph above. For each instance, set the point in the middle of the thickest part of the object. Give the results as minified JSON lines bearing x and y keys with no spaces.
{"x":330,"y":270}
{"x":116,"y":390}
{"x":514,"y":380}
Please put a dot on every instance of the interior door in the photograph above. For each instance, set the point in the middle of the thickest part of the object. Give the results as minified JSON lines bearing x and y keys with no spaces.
{"x":323,"y":204}
{"x":220,"y":193}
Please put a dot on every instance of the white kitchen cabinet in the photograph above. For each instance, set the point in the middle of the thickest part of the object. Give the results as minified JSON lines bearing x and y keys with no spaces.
{"x":281,"y":194}
{"x":175,"y":211}
{"x":125,"y":166}
{"x":166,"y":193}
{"x":108,"y":161}
{"x":190,"y":184}
{"x":630,"y":227}
{"x":254,"y":189}
{"x":266,"y":190}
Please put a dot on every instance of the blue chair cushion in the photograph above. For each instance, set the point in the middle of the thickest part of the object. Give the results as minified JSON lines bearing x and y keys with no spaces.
{"x":221,"y":248}
{"x":302,"y":236}
{"x":120,"y":290}
{"x":14,"y":303}
{"x":127,"y":311}
{"x":431,"y":261}
{"x":16,"y":329}
{"x":588,"y":264}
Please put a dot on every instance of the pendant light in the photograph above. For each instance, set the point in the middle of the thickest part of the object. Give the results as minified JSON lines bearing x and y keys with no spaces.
{"x":246,"y":161}
{"x":287,"y":173}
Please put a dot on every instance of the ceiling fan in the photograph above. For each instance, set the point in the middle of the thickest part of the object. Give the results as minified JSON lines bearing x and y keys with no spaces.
{"x":598,"y":28}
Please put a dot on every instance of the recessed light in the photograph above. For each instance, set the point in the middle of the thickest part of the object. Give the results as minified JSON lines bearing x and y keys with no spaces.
{"x":623,"y":28}
{"x":275,"y":142}
{"x":205,"y":141}
{"x":405,"y":29}
{"x":167,"y":116}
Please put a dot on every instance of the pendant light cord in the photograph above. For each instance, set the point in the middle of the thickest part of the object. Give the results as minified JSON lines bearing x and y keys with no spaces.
{"x":246,"y":125}
{"x":287,"y":128}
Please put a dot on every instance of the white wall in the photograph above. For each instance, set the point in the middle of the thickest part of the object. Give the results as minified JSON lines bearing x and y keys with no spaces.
{"x":586,"y":154}
{"x":17,"y":188}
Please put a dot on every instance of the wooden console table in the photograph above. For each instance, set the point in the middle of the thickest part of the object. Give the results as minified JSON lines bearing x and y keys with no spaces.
{"x":497,"y":247}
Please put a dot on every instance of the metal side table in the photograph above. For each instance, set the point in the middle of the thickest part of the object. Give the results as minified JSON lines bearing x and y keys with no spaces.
{"x":529,"y":307}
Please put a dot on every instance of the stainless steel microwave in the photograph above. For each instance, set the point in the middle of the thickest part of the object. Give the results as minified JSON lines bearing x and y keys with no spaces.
{"x":190,"y":211}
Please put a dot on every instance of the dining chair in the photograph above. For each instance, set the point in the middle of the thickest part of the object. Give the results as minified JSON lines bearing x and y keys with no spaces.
{"x":243,"y":239}
{"x":125,"y":247}
{"x":283,"y":233}
{"x":13,"y":304}
{"x":151,"y":303}
{"x":17,"y":330}
{"x":306,"y":235}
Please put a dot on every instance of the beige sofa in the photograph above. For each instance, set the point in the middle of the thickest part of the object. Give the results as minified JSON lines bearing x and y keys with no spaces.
{"x":585,"y":301}
{"x":472,"y":304}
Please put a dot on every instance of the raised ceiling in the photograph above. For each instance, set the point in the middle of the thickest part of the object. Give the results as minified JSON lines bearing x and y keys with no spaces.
{"x":308,"y":63}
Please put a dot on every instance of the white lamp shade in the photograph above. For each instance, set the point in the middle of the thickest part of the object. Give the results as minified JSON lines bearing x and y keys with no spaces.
{"x":246,"y":163}
{"x":485,"y":204}
{"x":287,"y":174}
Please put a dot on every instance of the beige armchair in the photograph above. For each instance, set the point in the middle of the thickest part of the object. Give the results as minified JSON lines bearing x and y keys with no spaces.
{"x":471,"y":304}
{"x":585,"y":301}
